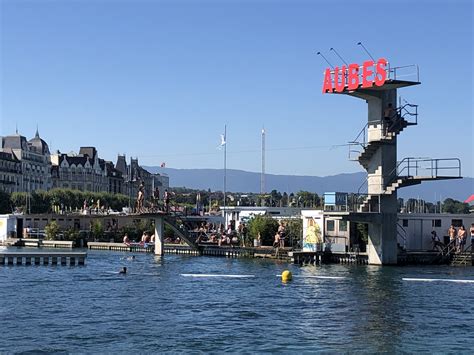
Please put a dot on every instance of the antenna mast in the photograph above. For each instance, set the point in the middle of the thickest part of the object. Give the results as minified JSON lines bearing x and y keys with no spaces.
{"x":262,"y":176}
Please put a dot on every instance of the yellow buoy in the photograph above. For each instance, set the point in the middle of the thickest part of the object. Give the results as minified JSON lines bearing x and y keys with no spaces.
{"x":286,"y":276}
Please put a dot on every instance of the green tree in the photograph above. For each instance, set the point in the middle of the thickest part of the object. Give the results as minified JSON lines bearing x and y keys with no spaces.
{"x":51,"y":230}
{"x":97,"y":229}
{"x":5,"y":202}
{"x":18,"y":200}
{"x":294,"y":231}
{"x":454,"y":206}
{"x":265,"y":226}
{"x":40,"y":202}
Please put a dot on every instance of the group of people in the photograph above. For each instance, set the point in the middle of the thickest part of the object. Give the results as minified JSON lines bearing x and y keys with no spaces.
{"x":458,"y":238}
{"x":279,"y":241}
{"x":140,"y":202}
{"x":145,"y":239}
{"x":218,"y":233}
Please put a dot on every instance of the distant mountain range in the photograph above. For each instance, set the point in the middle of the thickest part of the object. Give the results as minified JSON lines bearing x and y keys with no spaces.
{"x":245,"y":181}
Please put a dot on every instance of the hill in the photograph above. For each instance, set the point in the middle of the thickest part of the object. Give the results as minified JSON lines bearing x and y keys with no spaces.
{"x":245,"y":181}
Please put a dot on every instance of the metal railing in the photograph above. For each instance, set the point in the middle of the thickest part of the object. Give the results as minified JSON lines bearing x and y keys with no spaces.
{"x":403,"y":234}
{"x":404,"y":113}
{"x":356,"y":201}
{"x":404,"y":71}
{"x":427,"y":167}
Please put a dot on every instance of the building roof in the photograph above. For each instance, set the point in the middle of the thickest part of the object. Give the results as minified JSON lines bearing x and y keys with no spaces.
{"x":121,"y":164}
{"x":38,"y":144}
{"x":91,"y":152}
{"x":14,"y":142}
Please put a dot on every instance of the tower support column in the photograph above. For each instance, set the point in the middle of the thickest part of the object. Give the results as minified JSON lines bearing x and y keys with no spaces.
{"x":159,"y":245}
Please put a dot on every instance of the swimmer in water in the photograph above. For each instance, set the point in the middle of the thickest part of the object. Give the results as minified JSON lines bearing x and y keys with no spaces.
{"x":123,"y":271}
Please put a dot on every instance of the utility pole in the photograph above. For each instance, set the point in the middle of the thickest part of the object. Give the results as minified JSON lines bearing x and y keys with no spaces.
{"x":262,"y":175}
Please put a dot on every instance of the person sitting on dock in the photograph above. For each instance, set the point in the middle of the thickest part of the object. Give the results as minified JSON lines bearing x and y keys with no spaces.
{"x":126,"y":239}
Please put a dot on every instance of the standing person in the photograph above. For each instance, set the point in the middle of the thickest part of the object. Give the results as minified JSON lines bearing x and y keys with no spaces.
{"x":471,"y":230}
{"x":435,"y":240}
{"x":387,"y":117}
{"x":282,"y":233}
{"x":244,"y":234}
{"x":167,"y":200}
{"x":462,"y":236}
{"x":452,"y":236}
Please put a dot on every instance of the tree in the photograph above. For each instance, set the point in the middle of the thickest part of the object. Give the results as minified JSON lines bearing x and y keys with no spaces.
{"x":455,"y":206}
{"x":294,"y":231}
{"x":97,"y":229}
{"x":51,"y":230}
{"x":5,"y":203}
{"x":264,"y":226}
{"x":40,"y":202}
{"x":18,"y":200}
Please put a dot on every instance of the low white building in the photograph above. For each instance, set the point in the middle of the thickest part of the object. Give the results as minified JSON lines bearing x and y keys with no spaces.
{"x":413,"y":229}
{"x":241,"y":214}
{"x":8,"y":224}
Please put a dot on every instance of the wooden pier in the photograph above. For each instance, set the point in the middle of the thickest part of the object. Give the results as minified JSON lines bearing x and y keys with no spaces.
{"x":43,"y":258}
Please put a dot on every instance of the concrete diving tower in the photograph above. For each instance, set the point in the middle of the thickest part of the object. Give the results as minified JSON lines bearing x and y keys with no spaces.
{"x":375,"y":148}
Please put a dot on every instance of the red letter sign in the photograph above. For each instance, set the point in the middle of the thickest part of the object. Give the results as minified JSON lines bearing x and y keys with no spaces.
{"x":339,"y":86}
{"x":347,"y":79}
{"x":327,"y":86}
{"x":366,"y":72}
{"x":353,"y":77}
{"x":381,"y":72}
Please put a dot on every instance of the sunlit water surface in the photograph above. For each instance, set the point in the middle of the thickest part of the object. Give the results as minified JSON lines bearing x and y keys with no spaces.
{"x":154,"y":308}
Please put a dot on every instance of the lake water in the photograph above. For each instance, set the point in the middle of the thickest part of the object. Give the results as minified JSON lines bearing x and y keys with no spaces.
{"x":155,"y":308}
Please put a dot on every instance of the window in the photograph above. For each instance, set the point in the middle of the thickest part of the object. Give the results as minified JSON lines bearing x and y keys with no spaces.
{"x":405,"y":222}
{"x":342,"y":226}
{"x":456,"y":222}
{"x":436,"y":223}
{"x":330,"y":225}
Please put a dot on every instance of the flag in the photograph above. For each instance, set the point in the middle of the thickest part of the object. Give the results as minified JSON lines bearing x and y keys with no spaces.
{"x":223,"y":142}
{"x":163,"y":165}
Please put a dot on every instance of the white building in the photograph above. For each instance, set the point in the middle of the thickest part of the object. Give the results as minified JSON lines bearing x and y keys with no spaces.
{"x":413,"y":229}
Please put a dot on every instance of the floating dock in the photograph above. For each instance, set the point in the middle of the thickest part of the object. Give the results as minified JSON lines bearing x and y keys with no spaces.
{"x":43,"y":258}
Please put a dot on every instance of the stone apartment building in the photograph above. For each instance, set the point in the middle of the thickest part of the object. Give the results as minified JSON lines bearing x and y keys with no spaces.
{"x":27,"y":166}
{"x":34,"y":159}
{"x":10,"y":173}
{"x":85,"y":172}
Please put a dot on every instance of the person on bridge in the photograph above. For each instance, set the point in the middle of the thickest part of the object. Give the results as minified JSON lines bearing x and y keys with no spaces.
{"x":388,"y":115}
{"x":471,"y":230}
{"x":167,"y":201}
{"x":437,"y":245}
{"x":452,"y":236}
{"x":462,"y":236}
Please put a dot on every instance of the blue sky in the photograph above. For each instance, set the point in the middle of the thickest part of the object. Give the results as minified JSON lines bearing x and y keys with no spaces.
{"x":159,"y":79}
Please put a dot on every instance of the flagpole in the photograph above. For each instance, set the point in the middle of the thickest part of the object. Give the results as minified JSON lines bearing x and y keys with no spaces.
{"x":225,"y":175}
